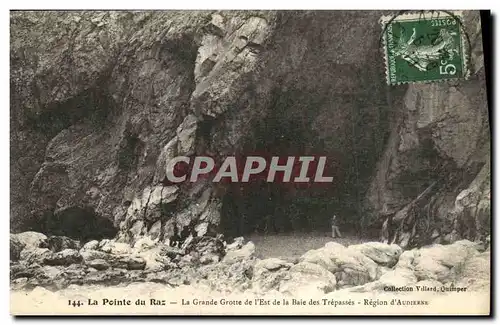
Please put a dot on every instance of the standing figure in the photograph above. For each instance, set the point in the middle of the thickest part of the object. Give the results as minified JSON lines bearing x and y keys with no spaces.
{"x":335,"y":228}
{"x":174,"y":240}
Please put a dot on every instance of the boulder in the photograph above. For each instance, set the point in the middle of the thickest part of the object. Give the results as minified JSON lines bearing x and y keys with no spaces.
{"x":475,"y":273}
{"x":18,"y":284}
{"x":224,"y":278}
{"x":307,"y":279}
{"x":171,"y":252}
{"x":23,"y":269}
{"x":16,"y":247}
{"x":99,"y":264}
{"x":236,"y":244}
{"x":350,"y":266}
{"x":108,"y":277}
{"x":128,"y":262}
{"x":59,"y":243}
{"x":271,"y":264}
{"x":49,"y":272}
{"x":156,"y":257}
{"x":398,"y":278}
{"x":401,"y":275}
{"x":442,"y":262}
{"x":64,"y":257}
{"x":91,"y":245}
{"x":55,"y":277}
{"x":144,"y":244}
{"x":394,"y":281}
{"x":89,"y":255}
{"x":158,"y":277}
{"x":30,"y":239}
{"x":236,"y":255}
{"x":35,"y":255}
{"x":320,"y":257}
{"x":112,"y":247}
{"x":268,"y":274}
{"x":380,"y":253}
{"x":209,"y":249}
{"x":406,"y":259}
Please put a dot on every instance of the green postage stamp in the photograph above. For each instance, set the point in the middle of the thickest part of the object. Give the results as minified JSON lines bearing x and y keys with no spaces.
{"x":424,"y":47}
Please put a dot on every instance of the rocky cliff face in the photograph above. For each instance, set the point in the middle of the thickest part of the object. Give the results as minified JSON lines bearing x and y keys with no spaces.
{"x":433,"y":180}
{"x":100,"y":101}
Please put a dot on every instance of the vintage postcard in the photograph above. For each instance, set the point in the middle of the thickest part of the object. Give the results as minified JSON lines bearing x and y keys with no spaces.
{"x":249,"y":163}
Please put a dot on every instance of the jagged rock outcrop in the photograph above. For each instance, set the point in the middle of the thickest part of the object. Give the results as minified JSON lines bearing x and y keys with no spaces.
{"x":29,"y":239}
{"x":60,"y":243}
{"x":16,"y":247}
{"x":432,"y":184}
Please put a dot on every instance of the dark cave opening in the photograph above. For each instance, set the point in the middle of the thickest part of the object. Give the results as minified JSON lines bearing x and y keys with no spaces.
{"x":261,"y":207}
{"x":78,"y":223}
{"x":93,"y":104}
{"x":351,"y":153}
{"x":130,"y":148}
{"x":267,"y":208}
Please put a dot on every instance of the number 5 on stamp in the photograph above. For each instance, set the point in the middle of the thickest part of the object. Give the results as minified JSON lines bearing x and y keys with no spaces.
{"x":424,"y":47}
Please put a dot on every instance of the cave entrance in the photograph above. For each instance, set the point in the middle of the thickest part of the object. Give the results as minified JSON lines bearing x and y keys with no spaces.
{"x":350,"y":133}
{"x":78,"y":223}
{"x":269,"y":208}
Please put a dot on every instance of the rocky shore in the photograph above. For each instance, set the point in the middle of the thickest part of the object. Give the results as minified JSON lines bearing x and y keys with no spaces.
{"x":56,"y":263}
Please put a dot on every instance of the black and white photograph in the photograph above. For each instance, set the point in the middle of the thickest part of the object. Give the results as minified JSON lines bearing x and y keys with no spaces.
{"x":250,"y":162}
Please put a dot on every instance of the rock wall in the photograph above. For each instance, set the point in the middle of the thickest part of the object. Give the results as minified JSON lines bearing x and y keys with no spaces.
{"x":100,"y":101}
{"x":437,"y":155}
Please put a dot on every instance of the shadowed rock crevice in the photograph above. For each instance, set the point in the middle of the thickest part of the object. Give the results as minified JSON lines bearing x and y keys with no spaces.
{"x":78,"y":223}
{"x":94,"y":105}
{"x":130,"y":149}
{"x":182,"y":49}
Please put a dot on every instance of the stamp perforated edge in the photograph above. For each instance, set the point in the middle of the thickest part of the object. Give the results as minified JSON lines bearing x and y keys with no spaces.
{"x":410,"y":15}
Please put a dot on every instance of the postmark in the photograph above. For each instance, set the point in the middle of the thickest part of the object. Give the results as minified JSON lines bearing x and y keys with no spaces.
{"x":424,"y":47}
